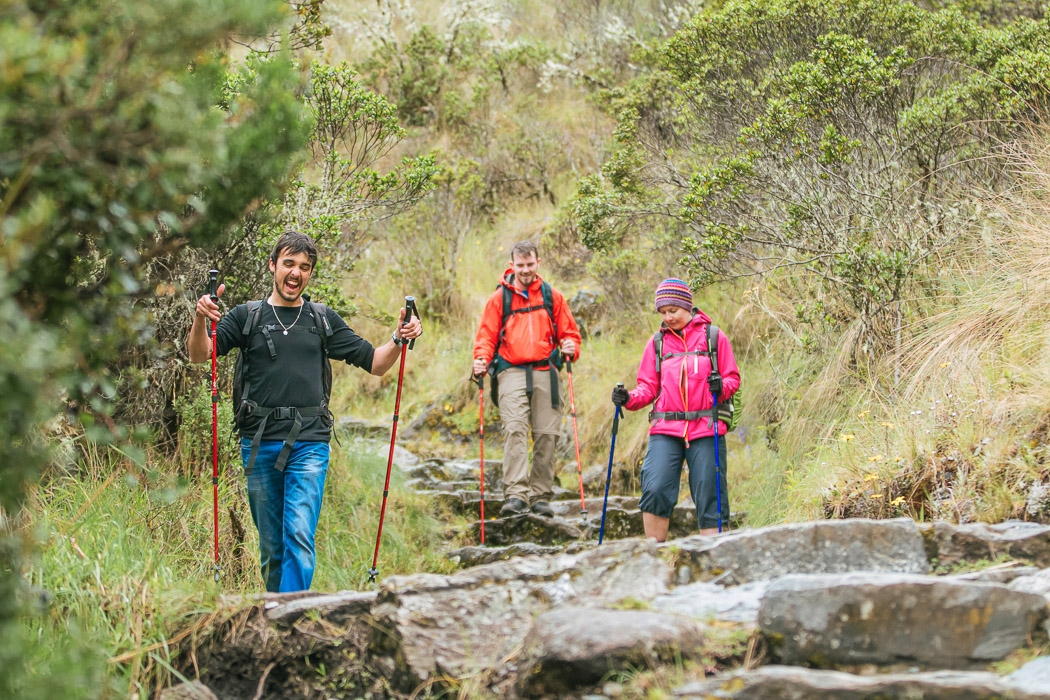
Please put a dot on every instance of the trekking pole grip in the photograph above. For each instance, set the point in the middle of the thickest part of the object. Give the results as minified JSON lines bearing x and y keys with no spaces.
{"x":410,"y":308}
{"x":619,"y":412}
{"x":213,"y":284}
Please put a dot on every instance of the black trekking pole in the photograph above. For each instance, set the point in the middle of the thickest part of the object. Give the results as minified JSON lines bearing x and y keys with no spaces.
{"x":608,"y":474}
{"x":410,"y":308}
{"x":718,"y":473}
{"x":481,"y":436}
{"x":576,"y":438}
{"x":213,"y":286}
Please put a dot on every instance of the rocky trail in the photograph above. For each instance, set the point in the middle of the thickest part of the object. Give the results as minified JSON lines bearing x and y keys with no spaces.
{"x":846,"y":609}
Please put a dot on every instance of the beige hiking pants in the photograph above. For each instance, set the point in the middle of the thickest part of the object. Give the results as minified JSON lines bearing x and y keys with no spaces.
{"x":517,"y":412}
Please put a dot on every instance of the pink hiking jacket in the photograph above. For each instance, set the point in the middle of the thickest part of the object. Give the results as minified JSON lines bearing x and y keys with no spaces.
{"x":684,"y":380}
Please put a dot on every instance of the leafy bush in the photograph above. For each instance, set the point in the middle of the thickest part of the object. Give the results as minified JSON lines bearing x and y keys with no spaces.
{"x":830,"y":139}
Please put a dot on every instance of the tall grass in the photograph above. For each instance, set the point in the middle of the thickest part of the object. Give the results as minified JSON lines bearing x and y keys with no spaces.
{"x":127,"y":554}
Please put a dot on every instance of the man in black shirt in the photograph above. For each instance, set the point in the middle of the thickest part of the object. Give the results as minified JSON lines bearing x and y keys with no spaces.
{"x":285,"y":426}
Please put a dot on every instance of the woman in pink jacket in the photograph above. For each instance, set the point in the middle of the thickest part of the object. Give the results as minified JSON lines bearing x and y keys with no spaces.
{"x":682,"y":392}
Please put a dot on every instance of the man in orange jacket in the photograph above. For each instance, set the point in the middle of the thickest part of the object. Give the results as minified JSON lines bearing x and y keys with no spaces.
{"x":522,"y":346}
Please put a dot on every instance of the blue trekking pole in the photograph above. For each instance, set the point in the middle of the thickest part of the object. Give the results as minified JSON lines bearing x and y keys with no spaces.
{"x":608,"y":474}
{"x":718,"y":473}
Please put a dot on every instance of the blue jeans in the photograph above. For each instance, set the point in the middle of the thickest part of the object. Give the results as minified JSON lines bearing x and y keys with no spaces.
{"x":285,"y":507}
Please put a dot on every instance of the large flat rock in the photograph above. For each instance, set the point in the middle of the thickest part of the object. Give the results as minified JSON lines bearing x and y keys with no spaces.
{"x":575,"y":647}
{"x":791,"y":683}
{"x":821,"y":547}
{"x":704,"y":600}
{"x":472,"y":620}
{"x":867,"y":618}
{"x":954,"y":544}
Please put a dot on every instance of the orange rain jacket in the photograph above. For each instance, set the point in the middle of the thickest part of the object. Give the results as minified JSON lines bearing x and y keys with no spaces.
{"x":528,"y":337}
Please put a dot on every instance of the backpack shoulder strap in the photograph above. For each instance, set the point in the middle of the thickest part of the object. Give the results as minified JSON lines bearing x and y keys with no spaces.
{"x":508,"y":301}
{"x":252,"y":319}
{"x":324,"y":329}
{"x":548,"y":304}
{"x":658,"y":347}
{"x":712,"y":345}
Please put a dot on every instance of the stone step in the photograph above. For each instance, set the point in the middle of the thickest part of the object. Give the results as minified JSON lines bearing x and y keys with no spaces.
{"x":779,"y":682}
{"x":836,"y":620}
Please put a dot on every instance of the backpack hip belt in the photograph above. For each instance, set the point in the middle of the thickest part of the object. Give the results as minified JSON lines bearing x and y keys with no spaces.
{"x":295,"y":413}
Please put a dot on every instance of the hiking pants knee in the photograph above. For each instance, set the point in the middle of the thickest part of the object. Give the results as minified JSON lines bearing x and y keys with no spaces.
{"x":662,"y":473}
{"x":517,"y":413}
{"x":285,"y":506}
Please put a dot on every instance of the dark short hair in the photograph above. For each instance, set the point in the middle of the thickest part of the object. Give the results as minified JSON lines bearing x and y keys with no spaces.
{"x":294,"y":242}
{"x":524,"y":249}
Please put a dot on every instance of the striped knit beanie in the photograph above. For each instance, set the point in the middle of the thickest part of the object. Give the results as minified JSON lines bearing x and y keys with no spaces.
{"x":673,"y":292}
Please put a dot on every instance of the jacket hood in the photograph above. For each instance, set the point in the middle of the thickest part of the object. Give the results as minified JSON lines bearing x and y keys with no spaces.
{"x":699,"y":318}
{"x":508,"y":276}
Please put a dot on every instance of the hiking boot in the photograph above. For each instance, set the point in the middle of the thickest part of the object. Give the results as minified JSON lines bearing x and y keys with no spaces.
{"x":513,"y":506}
{"x":542,"y":508}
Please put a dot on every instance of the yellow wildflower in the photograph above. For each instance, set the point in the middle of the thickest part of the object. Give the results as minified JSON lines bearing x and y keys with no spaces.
{"x":871,"y":477}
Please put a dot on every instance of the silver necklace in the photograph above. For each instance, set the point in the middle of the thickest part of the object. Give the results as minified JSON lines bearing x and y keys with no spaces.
{"x":286,"y":328}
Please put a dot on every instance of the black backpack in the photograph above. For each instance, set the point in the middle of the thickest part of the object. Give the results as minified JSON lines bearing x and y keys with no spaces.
{"x":499,"y":364}
{"x":243,"y":406}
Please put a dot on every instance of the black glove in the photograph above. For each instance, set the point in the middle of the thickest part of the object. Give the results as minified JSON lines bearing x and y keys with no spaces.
{"x":620,"y":396}
{"x":714,"y":383}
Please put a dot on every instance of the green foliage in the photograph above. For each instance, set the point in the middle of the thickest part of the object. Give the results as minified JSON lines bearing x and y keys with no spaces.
{"x":354,"y":129}
{"x":429,"y":239}
{"x":113,"y":155}
{"x":128,"y":556}
{"x":819,"y":136}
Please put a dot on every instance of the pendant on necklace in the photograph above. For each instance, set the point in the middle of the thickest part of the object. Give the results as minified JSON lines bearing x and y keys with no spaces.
{"x":286,"y":332}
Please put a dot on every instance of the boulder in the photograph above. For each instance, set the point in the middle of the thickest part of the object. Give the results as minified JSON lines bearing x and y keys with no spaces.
{"x":194,"y":690}
{"x":1038,"y":582}
{"x":1033,"y":677}
{"x":360,"y":428}
{"x":475,"y":556}
{"x":704,"y":600}
{"x":526,"y":527}
{"x":882,"y":619}
{"x":997,"y":574}
{"x":472,"y":620}
{"x":791,"y":683}
{"x":334,"y":607}
{"x":575,"y":647}
{"x":954,"y":544}
{"x":826,"y":546}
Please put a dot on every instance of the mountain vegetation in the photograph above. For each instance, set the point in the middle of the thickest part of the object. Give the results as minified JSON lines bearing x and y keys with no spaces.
{"x":857,"y":192}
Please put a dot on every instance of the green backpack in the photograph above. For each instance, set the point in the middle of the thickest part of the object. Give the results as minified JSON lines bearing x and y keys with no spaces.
{"x":728,"y":411}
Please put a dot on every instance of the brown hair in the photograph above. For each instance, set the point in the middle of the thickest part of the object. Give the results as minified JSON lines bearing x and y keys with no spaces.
{"x":524,"y":249}
{"x":294,"y":242}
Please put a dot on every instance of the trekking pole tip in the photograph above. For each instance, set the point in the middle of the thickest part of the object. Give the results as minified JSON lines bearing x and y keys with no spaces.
{"x":372,"y":573}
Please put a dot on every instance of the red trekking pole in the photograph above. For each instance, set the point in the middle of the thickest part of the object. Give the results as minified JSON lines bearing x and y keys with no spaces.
{"x":481,"y":436}
{"x":213,"y":285}
{"x":576,"y":438}
{"x":410,"y":308}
